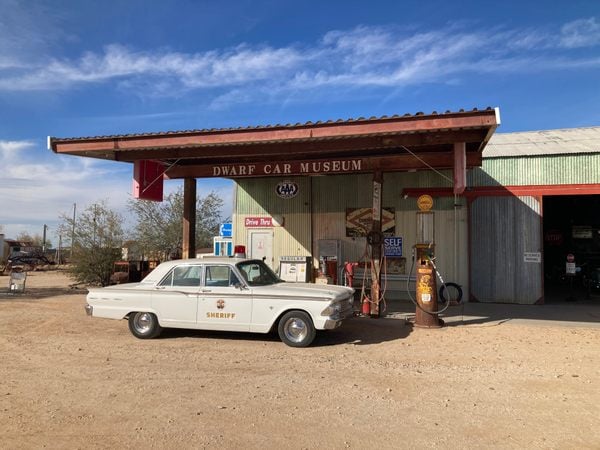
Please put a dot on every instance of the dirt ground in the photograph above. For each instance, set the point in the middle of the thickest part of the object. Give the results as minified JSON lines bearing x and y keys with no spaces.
{"x":70,"y":381}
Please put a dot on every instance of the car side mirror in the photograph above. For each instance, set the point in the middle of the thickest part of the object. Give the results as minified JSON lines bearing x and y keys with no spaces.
{"x":240,"y":286}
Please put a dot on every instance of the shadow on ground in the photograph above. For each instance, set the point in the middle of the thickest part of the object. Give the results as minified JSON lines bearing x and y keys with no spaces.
{"x":357,"y":331}
{"x":564,"y":313}
{"x":39,"y":293}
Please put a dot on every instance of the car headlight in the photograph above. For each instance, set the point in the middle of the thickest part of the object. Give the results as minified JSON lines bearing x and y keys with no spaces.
{"x":332,"y":309}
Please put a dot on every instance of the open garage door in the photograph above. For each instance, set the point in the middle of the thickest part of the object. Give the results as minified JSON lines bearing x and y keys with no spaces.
{"x":572,"y":231}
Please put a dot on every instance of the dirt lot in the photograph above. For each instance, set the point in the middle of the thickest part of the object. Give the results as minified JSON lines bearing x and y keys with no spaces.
{"x":67,"y":380}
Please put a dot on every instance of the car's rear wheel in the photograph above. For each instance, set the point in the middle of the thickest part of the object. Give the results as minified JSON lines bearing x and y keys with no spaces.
{"x":296,"y":329}
{"x":144,"y":325}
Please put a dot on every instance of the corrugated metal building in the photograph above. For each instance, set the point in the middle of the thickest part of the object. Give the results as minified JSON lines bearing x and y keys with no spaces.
{"x":491,"y":239}
{"x":527,"y":200}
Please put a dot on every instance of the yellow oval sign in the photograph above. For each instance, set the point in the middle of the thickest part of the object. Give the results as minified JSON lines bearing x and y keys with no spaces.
{"x":425,"y":202}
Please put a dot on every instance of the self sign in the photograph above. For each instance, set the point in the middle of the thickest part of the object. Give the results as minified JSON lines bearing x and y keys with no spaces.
{"x":392,"y":246}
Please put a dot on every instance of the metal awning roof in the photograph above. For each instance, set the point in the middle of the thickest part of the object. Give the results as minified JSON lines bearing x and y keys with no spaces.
{"x":566,"y":141}
{"x":412,"y":141}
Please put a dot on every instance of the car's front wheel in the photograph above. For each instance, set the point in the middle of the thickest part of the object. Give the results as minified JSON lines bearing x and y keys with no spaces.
{"x":296,"y":329}
{"x":144,"y":325}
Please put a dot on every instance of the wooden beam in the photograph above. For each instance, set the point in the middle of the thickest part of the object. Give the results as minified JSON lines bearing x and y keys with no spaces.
{"x":189,"y":218}
{"x":376,"y":244}
{"x":525,"y":190}
{"x":314,"y":147}
{"x":460,"y":167}
{"x":308,"y":167}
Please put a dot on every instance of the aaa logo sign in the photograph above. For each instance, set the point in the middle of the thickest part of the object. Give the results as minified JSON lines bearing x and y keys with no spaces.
{"x":287,"y":189}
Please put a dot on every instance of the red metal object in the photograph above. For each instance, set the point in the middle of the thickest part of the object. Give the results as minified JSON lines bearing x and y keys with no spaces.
{"x":349,"y":272}
{"x":332,"y":270}
{"x":532,"y":190}
{"x":148,"y":180}
{"x":366,"y":306}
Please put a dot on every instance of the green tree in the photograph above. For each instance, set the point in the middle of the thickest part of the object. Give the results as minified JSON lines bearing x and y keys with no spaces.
{"x":97,"y":242}
{"x":159,"y":230}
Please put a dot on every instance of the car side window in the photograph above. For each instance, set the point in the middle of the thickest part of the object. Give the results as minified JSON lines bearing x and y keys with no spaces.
{"x":220,"y":276}
{"x":186,"y":275}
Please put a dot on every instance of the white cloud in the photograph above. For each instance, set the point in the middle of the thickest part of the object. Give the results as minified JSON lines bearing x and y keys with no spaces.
{"x":364,"y":56}
{"x":9,"y":149}
{"x":37,"y":186}
{"x":580,"y":33}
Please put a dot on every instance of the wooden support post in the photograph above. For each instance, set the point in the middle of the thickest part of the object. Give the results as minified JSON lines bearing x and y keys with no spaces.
{"x":460,"y":167}
{"x":376,"y":242}
{"x":189,"y":218}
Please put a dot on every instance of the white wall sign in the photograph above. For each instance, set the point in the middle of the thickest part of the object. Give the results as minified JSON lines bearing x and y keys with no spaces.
{"x":532,"y":257}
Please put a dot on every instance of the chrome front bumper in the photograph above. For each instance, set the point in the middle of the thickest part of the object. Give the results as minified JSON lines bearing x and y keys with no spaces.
{"x":331,"y":324}
{"x":336,"y":321}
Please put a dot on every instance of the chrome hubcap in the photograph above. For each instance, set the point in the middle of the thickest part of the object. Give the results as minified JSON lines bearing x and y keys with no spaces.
{"x":295,"y":329}
{"x":143,"y":322}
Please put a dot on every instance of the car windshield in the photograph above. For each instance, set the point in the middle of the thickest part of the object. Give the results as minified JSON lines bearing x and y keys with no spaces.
{"x":257,"y":273}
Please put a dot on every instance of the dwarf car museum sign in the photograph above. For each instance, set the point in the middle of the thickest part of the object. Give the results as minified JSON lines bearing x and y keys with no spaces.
{"x":289,"y":168}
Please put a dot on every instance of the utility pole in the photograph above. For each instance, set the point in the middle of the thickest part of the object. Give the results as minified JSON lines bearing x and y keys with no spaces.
{"x":44,"y":239}
{"x":73,"y":231}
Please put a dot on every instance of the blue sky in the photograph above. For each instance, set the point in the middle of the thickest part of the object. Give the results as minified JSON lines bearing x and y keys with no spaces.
{"x":87,"y":68}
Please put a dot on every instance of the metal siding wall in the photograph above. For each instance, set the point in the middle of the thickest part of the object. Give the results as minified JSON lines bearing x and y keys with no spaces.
{"x":257,"y":197}
{"x":332,"y":195}
{"x":537,"y":170}
{"x":502,"y":230}
{"x":452,"y":268}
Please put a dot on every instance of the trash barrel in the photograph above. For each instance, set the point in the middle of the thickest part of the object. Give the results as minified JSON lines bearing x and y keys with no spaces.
{"x":16,"y":284}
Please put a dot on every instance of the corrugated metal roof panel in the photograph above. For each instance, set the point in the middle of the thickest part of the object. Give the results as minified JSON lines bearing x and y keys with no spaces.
{"x":546,"y":142}
{"x":269,"y":127}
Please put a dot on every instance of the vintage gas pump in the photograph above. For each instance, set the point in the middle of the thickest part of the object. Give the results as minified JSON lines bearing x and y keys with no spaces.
{"x":427,"y":305}
{"x":330,"y":255}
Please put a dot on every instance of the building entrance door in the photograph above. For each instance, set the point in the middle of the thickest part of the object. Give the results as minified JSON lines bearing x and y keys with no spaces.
{"x":261,"y":245}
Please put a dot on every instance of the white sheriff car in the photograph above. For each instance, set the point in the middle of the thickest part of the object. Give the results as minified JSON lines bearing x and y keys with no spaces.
{"x":230,"y":294}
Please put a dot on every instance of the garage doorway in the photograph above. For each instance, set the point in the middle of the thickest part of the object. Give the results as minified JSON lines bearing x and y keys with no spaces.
{"x":571,"y":227}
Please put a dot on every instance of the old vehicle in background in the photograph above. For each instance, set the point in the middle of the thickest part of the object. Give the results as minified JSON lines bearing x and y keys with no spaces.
{"x":230,"y":294}
{"x":131,"y":271}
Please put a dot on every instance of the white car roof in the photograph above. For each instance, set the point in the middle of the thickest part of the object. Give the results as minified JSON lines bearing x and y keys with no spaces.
{"x":163,"y":268}
{"x":206,"y":259}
